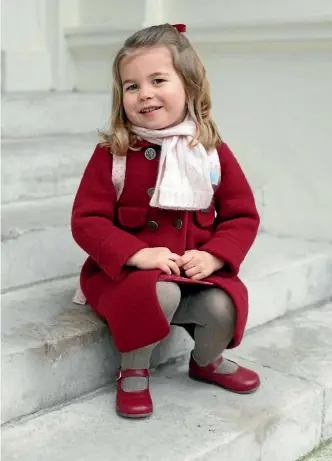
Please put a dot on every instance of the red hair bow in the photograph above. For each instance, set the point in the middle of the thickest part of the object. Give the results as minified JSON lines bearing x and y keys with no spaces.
{"x":180,"y":27}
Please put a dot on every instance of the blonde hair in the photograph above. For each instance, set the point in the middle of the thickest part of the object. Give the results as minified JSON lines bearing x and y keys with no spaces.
{"x":190,"y":69}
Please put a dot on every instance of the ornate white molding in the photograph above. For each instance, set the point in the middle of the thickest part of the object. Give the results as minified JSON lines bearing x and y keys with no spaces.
{"x":243,"y":35}
{"x":82,"y":37}
{"x":267,"y":32}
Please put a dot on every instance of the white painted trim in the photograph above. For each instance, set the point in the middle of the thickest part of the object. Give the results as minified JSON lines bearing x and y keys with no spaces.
{"x":64,"y":72}
{"x":154,"y":12}
{"x":314,"y":29}
{"x":267,"y":31}
{"x":81,"y":37}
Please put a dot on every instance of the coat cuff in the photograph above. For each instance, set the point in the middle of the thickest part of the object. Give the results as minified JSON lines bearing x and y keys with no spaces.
{"x":228,"y":251}
{"x":112,"y":258}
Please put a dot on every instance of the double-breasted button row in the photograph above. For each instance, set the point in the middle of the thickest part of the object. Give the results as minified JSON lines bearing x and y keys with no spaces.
{"x":178,"y":224}
{"x":153,"y":225}
{"x":150,"y":153}
{"x":150,"y":191}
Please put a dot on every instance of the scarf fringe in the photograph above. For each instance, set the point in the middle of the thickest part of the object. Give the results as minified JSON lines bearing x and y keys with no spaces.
{"x":172,"y":199}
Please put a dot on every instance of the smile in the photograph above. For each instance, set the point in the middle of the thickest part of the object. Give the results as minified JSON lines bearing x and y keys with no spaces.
{"x":150,"y":109}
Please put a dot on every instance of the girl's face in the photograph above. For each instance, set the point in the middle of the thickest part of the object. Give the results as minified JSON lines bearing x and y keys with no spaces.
{"x":153,"y":93}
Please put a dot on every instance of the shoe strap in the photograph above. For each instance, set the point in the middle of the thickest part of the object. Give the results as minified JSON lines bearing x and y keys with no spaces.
{"x":218,"y":361}
{"x":213,"y":365}
{"x":142,"y":373}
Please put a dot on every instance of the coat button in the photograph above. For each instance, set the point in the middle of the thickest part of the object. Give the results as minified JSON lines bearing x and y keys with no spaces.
{"x":150,"y":191}
{"x":178,"y":224}
{"x":150,"y":153}
{"x":153,"y":225}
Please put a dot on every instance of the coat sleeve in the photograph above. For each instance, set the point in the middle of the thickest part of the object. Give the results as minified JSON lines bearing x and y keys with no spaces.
{"x":93,"y":214}
{"x":237,"y":219}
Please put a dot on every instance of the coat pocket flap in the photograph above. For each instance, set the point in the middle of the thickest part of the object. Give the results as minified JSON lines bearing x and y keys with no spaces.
{"x":205,"y":218}
{"x":132,"y":217}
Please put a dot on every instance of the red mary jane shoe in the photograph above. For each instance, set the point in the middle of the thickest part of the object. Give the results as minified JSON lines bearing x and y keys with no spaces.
{"x":133,"y":404}
{"x":242,"y":381}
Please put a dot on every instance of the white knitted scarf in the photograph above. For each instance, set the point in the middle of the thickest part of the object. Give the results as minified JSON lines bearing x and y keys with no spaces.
{"x":186,"y":174}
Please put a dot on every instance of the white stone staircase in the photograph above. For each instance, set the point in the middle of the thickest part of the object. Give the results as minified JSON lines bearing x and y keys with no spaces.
{"x":54,"y":351}
{"x":289,"y":416}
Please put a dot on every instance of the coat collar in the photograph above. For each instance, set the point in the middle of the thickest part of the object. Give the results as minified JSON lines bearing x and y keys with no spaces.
{"x":143,"y":144}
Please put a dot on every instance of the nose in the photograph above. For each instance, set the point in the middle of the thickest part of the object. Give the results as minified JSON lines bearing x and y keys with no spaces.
{"x":145,"y":92}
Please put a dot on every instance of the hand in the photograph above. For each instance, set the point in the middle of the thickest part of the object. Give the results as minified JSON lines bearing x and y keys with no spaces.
{"x":156,"y":258}
{"x":199,"y":264}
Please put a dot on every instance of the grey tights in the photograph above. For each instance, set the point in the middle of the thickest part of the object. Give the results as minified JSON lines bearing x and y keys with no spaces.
{"x":210,"y":308}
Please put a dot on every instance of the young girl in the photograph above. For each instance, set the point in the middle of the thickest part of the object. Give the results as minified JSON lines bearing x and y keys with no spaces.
{"x":166,"y":216}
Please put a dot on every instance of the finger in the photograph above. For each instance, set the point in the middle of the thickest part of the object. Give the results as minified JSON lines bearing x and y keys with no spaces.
{"x":174,"y":267}
{"x":179,"y":262}
{"x":186,"y":258}
{"x":198,"y":276}
{"x":192,"y":272}
{"x":175,"y":257}
{"x":165,"y":268}
{"x":189,"y":265}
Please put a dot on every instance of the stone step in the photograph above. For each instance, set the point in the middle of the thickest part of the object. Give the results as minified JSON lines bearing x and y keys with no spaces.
{"x":297,"y":345}
{"x":40,"y":114}
{"x":285,"y":419}
{"x":44,"y":166}
{"x":36,"y":242}
{"x":53,"y":350}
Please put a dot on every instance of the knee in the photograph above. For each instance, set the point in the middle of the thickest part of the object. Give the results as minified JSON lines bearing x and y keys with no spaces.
{"x":219,"y":308}
{"x":169,"y":297}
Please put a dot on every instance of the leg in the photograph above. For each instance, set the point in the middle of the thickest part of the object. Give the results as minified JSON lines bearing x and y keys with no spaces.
{"x":213,"y":313}
{"x":169,"y":296}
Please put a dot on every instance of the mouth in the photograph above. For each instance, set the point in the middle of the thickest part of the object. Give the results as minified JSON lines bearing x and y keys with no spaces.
{"x":148,"y":110}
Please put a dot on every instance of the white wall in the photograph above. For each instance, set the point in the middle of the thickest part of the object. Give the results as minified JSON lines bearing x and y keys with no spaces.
{"x":275,"y":110}
{"x":223,"y":11}
{"x":27,"y":61}
{"x":115,"y":13}
{"x":32,"y":43}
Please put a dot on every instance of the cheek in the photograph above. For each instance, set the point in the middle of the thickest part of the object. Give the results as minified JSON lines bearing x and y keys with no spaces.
{"x":176,"y":99}
{"x":127,"y":102}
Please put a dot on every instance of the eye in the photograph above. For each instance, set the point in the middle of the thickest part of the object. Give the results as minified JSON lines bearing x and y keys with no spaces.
{"x":158,"y":81}
{"x":132,"y":87}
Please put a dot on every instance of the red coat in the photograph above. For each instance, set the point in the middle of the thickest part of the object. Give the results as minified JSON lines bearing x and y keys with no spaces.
{"x":110,"y":232}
